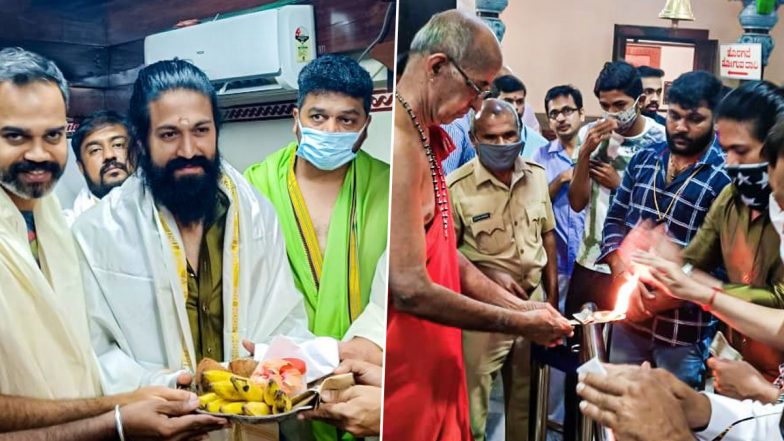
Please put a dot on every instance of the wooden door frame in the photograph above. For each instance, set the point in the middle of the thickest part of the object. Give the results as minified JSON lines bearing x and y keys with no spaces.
{"x":705,"y":49}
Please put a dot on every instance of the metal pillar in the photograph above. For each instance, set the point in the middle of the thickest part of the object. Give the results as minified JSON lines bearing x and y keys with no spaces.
{"x":757,"y":24}
{"x":490,"y":11}
{"x":593,"y":345}
{"x":540,"y":379}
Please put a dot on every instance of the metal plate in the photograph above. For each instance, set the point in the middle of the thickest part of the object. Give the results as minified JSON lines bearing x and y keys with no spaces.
{"x":608,"y":316}
{"x":586,"y":318}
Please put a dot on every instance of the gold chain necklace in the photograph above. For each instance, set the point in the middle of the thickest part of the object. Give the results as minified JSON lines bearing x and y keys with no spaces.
{"x":435,"y":168}
{"x":672,"y":171}
{"x":677,"y":194}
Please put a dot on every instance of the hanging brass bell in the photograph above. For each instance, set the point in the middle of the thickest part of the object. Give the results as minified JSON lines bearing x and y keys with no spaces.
{"x":676,"y":10}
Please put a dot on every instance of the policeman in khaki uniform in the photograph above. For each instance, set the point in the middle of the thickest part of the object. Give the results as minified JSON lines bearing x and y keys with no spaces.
{"x":505,"y":226}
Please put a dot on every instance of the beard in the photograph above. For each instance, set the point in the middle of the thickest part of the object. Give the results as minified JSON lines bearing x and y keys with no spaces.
{"x":11,"y":181}
{"x":191,"y":198}
{"x":102,"y":188}
{"x":692,"y":147}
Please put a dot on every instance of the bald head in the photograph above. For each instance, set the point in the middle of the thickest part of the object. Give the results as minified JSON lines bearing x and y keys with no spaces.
{"x":494,"y":112}
{"x":505,"y":70}
{"x":495,"y":132}
{"x":463,"y":37}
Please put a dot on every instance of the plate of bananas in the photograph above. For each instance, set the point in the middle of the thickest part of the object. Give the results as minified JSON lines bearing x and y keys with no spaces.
{"x":249,"y":392}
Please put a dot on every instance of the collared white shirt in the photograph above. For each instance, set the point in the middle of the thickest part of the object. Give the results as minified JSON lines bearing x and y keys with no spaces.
{"x":726,"y":411}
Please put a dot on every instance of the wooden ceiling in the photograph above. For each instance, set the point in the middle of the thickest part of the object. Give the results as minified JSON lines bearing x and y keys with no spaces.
{"x":98,"y":44}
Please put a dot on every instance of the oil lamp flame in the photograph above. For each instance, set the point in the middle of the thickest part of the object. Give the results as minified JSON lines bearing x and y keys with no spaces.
{"x":624,"y":293}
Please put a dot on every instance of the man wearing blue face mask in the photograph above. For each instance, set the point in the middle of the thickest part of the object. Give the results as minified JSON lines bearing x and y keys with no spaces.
{"x":504,"y":224}
{"x":333,"y":201}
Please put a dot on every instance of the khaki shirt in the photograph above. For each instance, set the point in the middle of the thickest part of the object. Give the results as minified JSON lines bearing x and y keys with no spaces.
{"x":205,"y":289}
{"x":498,"y":228}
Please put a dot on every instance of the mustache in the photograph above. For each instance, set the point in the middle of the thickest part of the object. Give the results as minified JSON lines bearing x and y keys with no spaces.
{"x":113,"y":163}
{"x":179,"y":163}
{"x":680,"y":138}
{"x":26,"y":166}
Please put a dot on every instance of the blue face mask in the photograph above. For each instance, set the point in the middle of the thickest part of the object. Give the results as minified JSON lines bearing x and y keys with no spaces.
{"x":327,"y":150}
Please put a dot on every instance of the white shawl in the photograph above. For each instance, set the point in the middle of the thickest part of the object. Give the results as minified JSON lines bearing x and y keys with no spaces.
{"x":135,"y":298}
{"x":84,"y":201}
{"x":45,"y":345}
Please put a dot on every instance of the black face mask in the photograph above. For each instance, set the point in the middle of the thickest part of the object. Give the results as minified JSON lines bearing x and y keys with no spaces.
{"x":190,"y":199}
{"x":751,"y":180}
{"x":499,"y":157}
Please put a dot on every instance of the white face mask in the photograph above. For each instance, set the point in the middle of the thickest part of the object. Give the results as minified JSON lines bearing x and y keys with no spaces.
{"x":777,"y":219}
{"x":626,"y":117}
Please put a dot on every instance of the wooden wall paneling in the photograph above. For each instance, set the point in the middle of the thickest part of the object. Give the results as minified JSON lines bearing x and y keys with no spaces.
{"x":129,"y":20}
{"x":85,"y":101}
{"x":350,"y":25}
{"x":82,"y":65}
{"x":413,"y":15}
{"x":705,"y":49}
{"x":118,"y":99}
{"x":27,"y":23}
{"x":385,"y":53}
{"x":125,"y":61}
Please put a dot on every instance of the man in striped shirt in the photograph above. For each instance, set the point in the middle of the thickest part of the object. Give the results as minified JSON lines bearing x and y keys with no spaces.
{"x":672,"y":184}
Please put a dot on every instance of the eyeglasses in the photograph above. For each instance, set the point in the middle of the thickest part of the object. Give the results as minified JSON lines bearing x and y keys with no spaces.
{"x":481,"y":94}
{"x":566,"y":112}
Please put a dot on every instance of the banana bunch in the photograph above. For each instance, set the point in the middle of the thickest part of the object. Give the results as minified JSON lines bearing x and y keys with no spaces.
{"x":235,"y":395}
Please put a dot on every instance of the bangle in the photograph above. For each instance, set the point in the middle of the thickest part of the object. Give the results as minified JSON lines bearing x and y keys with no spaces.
{"x":709,"y":305}
{"x":118,"y":423}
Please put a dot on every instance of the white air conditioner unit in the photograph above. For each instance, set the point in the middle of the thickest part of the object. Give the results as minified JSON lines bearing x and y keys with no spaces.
{"x":250,"y":58}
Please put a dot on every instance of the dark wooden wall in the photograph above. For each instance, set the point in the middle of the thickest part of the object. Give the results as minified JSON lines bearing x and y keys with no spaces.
{"x":98,"y":44}
{"x":413,"y":15}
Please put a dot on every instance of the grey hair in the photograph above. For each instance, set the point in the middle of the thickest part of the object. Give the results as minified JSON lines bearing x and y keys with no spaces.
{"x":22,"y":67}
{"x":450,"y":32}
{"x":505,"y":107}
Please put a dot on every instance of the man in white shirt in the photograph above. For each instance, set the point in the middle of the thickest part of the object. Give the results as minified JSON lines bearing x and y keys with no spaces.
{"x":100,"y":147}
